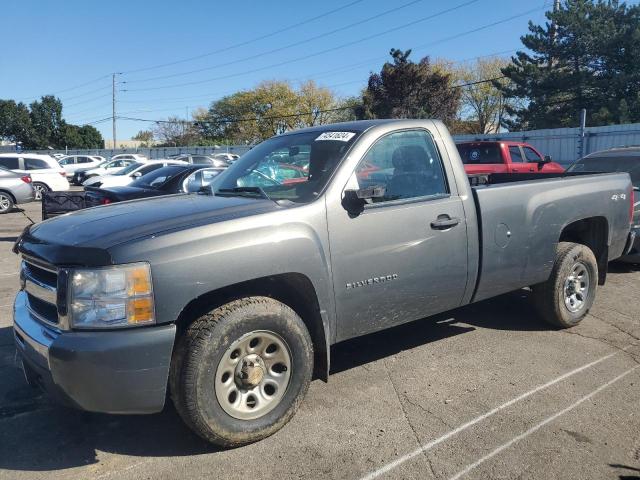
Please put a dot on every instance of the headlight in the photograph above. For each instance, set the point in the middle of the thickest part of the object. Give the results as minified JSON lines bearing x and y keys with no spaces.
{"x":111,"y":297}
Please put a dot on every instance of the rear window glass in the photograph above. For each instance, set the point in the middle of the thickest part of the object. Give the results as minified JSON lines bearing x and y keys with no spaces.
{"x":479,"y":154}
{"x":631,"y":165}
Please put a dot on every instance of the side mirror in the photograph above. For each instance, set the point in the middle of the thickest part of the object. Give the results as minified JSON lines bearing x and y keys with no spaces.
{"x":355,"y":200}
{"x":541,"y":163}
{"x":136,"y":175}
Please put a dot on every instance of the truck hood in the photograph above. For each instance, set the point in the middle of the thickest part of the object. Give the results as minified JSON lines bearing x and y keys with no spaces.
{"x":93,"y":231}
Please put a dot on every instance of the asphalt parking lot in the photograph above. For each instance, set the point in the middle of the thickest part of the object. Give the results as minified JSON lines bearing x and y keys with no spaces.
{"x":487,"y":391}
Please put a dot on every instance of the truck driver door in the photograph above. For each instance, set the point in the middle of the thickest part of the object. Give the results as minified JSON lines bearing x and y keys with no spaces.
{"x":404,"y":256}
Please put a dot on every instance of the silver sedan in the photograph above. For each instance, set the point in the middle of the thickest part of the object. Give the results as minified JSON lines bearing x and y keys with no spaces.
{"x":15,"y":189}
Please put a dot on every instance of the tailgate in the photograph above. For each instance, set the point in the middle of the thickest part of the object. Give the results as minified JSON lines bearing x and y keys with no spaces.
{"x":59,"y":203}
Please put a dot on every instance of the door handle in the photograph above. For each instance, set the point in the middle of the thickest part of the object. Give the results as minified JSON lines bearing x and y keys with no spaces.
{"x":443,"y":222}
{"x":514,"y":170}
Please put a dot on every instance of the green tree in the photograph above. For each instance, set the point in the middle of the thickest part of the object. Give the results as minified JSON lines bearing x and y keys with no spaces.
{"x":585,"y":56}
{"x":15,"y":122}
{"x":47,"y":123}
{"x":272,"y":108}
{"x":405,"y":89}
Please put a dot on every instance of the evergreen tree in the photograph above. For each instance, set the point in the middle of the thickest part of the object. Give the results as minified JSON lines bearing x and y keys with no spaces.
{"x":585,"y":56}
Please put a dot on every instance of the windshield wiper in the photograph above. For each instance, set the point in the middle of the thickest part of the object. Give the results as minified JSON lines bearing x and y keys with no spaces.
{"x":242,"y":190}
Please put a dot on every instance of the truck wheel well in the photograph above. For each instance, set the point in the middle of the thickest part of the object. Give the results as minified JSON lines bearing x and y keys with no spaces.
{"x":594,"y":233}
{"x":293,"y":289}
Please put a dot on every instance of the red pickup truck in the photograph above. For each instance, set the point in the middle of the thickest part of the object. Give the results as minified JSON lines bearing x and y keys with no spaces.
{"x":504,"y":157}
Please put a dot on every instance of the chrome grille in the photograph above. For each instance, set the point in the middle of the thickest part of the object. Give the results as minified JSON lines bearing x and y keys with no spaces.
{"x":40,"y":282}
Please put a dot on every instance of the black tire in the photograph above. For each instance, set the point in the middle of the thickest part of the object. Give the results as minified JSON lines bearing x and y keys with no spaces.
{"x":37,"y":186}
{"x":200,"y":351}
{"x":552,"y":298}
{"x":6,"y":202}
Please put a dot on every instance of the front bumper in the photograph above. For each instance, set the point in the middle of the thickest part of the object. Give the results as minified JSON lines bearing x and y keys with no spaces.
{"x":119,"y":371}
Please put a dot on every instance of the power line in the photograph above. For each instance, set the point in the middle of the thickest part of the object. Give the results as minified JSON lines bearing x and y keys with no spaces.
{"x":70,"y":88}
{"x":210,"y":96}
{"x":349,"y":44}
{"x":247,"y":42}
{"x":278,"y":117}
{"x":285,"y":47}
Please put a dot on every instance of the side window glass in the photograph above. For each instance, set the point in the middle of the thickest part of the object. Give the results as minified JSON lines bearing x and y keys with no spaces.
{"x":34,"y":164}
{"x":531,"y":155}
{"x":406,"y":163}
{"x":10,"y":163}
{"x":516,"y":156}
{"x":193,"y":182}
{"x":208,"y":176}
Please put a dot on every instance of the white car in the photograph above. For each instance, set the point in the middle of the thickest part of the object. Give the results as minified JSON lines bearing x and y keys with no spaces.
{"x":129,"y":174}
{"x":73,"y":163}
{"x":46,"y":173}
{"x":104,"y":168}
{"x":130,"y":156}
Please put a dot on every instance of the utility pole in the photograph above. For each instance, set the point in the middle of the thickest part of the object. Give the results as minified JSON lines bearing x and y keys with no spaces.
{"x":113,"y":107}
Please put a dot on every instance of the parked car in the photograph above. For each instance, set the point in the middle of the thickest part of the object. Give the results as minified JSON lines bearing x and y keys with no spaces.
{"x":201,"y":159}
{"x":504,"y":157}
{"x":163,"y":181}
{"x":138,"y":157}
{"x":73,"y":163}
{"x":624,"y":159}
{"x":227,"y":157}
{"x":128,"y":174}
{"x":230,"y":302}
{"x":106,"y":167}
{"x":46,"y":173}
{"x":15,"y":189}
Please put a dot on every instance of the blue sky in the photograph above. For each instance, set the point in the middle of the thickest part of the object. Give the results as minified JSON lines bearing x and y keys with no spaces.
{"x":70,"y":48}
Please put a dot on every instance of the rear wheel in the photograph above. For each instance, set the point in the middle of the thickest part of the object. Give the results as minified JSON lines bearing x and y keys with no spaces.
{"x":39,"y":189}
{"x":6,"y":202}
{"x":566,"y":298}
{"x":240,"y":372}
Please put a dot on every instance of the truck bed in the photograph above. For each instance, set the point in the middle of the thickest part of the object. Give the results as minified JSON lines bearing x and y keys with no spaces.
{"x":521,"y":218}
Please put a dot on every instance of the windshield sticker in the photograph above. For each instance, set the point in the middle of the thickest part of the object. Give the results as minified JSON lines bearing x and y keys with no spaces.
{"x":339,"y":136}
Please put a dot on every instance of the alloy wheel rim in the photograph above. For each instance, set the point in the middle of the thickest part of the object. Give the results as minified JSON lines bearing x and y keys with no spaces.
{"x":253,"y":375}
{"x":5,"y":203}
{"x":38,"y":191}
{"x":576,"y":287}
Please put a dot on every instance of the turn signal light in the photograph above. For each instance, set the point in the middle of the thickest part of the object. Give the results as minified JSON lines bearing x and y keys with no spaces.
{"x":63,"y":173}
{"x":105,"y":201}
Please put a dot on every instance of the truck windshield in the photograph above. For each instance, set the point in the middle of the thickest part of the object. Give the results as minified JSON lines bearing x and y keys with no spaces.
{"x":293,"y":167}
{"x":473,"y":154}
{"x":629,"y":164}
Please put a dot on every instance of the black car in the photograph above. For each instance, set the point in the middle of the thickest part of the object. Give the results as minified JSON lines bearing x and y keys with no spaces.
{"x":163,"y":181}
{"x":623,"y":159}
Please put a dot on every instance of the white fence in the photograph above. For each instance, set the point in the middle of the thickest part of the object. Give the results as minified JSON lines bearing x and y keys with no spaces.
{"x":566,"y":145}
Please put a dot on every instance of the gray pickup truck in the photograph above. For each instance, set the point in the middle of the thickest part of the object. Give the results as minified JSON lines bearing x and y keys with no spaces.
{"x":229,"y":300}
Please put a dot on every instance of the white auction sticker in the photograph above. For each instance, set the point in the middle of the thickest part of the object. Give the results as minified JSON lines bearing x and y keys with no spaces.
{"x":339,"y":136}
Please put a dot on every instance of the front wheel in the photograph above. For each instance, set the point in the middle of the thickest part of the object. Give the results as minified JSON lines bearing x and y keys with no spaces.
{"x":240,"y":372}
{"x":39,"y":189}
{"x":567,"y":296}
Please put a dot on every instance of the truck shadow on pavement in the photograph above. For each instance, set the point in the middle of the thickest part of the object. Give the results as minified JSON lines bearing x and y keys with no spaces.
{"x":36,"y":435}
